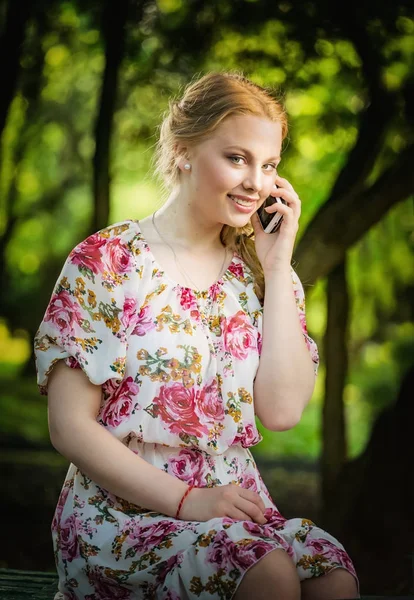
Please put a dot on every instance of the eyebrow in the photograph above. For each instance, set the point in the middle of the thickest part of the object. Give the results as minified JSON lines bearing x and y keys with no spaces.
{"x":248,"y":153}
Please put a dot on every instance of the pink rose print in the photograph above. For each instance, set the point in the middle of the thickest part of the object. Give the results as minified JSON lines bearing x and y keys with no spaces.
{"x":129,"y":316}
{"x":239,"y":335}
{"x":60,"y":506}
{"x":63,"y":312}
{"x":300,"y":303}
{"x":225,"y":553}
{"x":189,"y":466}
{"x":313,"y":349}
{"x":163,"y":568}
{"x":188,"y":299}
{"x":330,"y":551}
{"x":176,"y":405}
{"x":144,"y":322}
{"x":302,"y":319}
{"x":259,"y":343}
{"x":237,"y":270}
{"x":118,"y":407}
{"x":106,"y":588}
{"x":249,"y":436}
{"x":215,"y":290}
{"x":268,"y":531}
{"x":249,"y":482}
{"x":71,"y":362}
{"x":274,"y":518}
{"x":210,"y":403}
{"x":172,"y":596}
{"x":117,"y":256}
{"x":195,"y":314}
{"x":88,"y":253}
{"x":248,"y":554}
{"x":145,"y":537}
{"x":68,"y":539}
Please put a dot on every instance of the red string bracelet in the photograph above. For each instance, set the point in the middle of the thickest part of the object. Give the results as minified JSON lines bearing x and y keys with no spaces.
{"x":188,"y":490}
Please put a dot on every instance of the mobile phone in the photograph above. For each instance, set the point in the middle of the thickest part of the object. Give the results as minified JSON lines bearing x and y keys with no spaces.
{"x":270,"y":221}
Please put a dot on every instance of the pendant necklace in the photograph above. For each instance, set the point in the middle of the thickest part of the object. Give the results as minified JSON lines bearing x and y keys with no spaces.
{"x":180,"y":267}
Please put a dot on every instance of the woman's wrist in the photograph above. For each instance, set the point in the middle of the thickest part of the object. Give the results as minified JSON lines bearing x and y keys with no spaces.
{"x":277,"y":273}
{"x":180,"y":504}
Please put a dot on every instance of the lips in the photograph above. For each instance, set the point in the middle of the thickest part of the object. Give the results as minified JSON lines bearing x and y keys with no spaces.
{"x":244,"y":208}
{"x":244,"y":199}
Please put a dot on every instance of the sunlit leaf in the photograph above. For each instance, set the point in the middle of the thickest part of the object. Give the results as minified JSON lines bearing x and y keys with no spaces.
{"x":57,"y":56}
{"x":169,"y":6}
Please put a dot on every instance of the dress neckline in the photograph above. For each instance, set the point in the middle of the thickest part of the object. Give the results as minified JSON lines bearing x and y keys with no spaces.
{"x":159,"y":268}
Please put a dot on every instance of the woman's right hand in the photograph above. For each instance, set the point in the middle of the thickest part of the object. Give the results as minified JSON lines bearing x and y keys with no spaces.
{"x":231,"y":500}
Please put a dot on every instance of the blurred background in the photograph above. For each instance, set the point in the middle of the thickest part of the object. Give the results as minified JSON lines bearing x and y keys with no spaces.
{"x":83,"y":88}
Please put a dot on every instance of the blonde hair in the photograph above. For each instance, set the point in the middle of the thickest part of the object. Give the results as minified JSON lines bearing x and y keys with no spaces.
{"x":205,"y":103}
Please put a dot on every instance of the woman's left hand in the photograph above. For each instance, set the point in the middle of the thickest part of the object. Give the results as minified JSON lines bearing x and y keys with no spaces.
{"x":275,"y":250}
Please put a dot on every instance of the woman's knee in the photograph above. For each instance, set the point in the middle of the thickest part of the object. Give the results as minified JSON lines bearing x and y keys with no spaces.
{"x":273,"y":576}
{"x":337,"y":583}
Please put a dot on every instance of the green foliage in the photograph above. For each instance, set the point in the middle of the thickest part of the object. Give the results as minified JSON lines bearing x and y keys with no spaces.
{"x":24,"y":411}
{"x":373,"y":384}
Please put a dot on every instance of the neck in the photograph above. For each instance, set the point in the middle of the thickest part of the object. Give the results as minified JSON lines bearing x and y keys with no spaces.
{"x":186,"y":227}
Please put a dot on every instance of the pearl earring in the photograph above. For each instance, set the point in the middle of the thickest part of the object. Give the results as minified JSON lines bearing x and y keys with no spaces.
{"x":187,"y":166}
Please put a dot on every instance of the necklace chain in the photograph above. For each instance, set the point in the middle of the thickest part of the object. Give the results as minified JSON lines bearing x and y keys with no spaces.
{"x":180,"y":267}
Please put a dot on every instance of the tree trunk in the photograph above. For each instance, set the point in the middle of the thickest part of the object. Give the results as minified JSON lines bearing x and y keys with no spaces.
{"x":336,"y":359}
{"x":371,"y":511}
{"x":17,"y":15}
{"x":11,"y":40}
{"x":114,"y":21}
{"x":31,"y":86}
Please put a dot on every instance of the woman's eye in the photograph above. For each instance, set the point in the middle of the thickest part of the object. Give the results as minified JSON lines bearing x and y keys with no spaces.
{"x":240,"y":160}
{"x":237,"y":158}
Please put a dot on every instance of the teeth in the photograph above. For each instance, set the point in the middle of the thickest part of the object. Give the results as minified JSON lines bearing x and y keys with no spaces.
{"x":241,"y":202}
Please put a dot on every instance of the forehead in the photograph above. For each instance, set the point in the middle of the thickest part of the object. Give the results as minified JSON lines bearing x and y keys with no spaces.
{"x":257,"y":134}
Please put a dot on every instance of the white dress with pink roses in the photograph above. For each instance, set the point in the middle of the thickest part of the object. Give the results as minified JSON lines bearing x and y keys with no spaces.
{"x":177,"y":369}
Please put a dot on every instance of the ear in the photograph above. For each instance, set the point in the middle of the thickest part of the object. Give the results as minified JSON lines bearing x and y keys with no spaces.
{"x":182,"y":155}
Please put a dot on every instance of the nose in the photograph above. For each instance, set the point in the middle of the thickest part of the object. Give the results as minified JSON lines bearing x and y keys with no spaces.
{"x":253,"y":180}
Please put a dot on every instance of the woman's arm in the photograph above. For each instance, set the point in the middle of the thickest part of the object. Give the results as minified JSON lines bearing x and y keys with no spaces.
{"x":72,"y":407}
{"x":285,"y":378}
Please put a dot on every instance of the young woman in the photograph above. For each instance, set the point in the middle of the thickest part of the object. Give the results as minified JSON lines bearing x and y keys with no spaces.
{"x":161,"y":342}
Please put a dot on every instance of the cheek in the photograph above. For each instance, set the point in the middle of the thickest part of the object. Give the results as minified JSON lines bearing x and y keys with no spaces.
{"x":220,"y":177}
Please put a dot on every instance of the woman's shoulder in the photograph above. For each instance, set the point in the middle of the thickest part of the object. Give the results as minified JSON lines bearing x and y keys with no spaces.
{"x":112,"y":249}
{"x":124,"y":231}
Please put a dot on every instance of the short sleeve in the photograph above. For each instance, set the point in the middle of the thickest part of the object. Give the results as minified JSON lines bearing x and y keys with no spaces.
{"x":300,"y":303}
{"x":83,"y":323}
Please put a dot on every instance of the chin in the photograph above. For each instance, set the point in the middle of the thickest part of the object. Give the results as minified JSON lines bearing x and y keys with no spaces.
{"x":240,"y":221}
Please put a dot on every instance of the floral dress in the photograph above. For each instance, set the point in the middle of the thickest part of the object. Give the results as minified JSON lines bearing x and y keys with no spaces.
{"x":177,"y":368}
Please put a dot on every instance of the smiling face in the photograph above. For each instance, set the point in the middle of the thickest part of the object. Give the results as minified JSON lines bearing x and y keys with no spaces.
{"x":236,"y":164}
